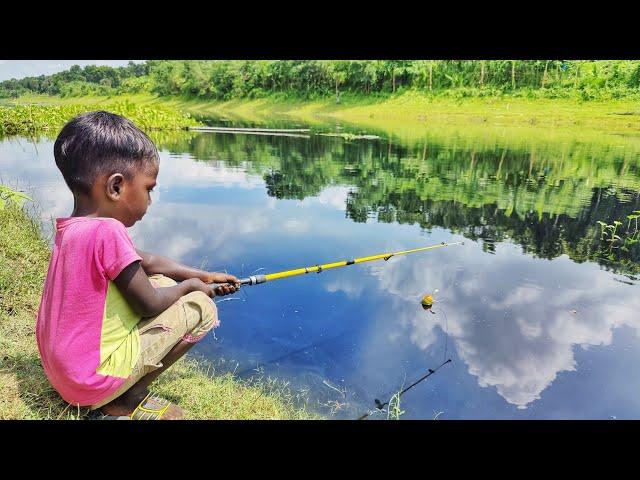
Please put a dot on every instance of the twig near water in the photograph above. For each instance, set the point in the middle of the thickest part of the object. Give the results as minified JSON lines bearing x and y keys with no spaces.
{"x":341,"y":392}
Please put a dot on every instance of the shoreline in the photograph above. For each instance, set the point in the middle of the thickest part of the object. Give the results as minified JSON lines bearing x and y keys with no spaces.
{"x":410,"y":108}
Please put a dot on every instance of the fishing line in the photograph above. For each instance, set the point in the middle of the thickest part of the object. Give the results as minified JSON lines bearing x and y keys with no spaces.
{"x":446,"y":334}
{"x":446,"y":331}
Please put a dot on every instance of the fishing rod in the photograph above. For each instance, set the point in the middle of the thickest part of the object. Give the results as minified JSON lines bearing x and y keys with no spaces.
{"x":257,"y":279}
{"x":380,"y":406}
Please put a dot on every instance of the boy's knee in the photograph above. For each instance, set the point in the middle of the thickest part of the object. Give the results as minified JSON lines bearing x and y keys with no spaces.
{"x":202,"y":315}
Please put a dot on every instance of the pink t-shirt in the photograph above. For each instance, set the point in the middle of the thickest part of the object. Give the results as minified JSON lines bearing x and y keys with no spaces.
{"x":86,"y":331}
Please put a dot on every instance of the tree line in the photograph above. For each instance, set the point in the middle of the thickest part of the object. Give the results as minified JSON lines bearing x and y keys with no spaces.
{"x":311,"y":79}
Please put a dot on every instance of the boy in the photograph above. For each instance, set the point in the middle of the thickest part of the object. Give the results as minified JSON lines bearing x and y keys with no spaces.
{"x":111,"y":318}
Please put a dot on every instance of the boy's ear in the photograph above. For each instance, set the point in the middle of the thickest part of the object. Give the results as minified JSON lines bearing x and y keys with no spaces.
{"x":115,"y":186}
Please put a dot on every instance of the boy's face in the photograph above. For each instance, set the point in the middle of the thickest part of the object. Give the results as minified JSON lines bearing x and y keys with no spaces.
{"x":135,"y":196}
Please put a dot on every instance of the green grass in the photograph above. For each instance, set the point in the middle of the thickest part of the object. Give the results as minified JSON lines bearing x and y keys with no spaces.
{"x":25,"y":392}
{"x":422,"y":111}
{"x":409,"y":110}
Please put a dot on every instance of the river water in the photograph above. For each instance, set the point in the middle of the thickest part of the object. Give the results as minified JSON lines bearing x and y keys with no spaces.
{"x":538,"y":316}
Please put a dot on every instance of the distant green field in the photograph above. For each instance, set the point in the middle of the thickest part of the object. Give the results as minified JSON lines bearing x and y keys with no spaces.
{"x":410,"y":114}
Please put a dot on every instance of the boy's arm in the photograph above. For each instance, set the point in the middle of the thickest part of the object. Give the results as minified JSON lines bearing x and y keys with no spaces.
{"x":148,"y":301}
{"x":152,"y":263}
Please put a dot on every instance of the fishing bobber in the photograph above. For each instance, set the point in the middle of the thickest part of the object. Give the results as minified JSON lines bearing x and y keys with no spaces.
{"x":427,"y":302}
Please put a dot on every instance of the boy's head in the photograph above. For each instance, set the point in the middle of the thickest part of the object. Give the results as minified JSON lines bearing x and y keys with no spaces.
{"x":108,"y":160}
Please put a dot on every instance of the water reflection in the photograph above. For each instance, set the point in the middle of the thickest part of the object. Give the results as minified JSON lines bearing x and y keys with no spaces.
{"x":548,"y":197}
{"x":519,"y":308}
{"x":514,"y":337}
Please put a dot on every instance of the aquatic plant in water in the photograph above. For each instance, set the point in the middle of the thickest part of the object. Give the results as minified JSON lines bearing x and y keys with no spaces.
{"x":8,"y":195}
{"x":30,"y":119}
{"x":393,"y":409}
{"x":620,"y":241}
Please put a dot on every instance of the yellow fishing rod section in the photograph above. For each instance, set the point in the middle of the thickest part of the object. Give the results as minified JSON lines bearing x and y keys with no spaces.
{"x":257,"y":279}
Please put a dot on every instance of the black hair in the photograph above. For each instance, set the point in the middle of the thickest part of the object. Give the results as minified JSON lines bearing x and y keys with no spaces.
{"x":100,"y":142}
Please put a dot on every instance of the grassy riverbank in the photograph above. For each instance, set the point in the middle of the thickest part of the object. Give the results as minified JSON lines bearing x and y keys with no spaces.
{"x":425,"y":110}
{"x":416,"y":114}
{"x":25,"y":392}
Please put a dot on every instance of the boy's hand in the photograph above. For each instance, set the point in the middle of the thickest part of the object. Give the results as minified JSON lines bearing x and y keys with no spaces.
{"x":229,"y":283}
{"x":198,"y":285}
{"x":215,"y":277}
{"x":226,"y":289}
